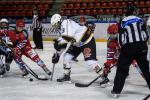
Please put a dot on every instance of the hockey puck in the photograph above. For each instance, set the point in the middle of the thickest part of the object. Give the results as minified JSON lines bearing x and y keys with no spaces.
{"x":30,"y":79}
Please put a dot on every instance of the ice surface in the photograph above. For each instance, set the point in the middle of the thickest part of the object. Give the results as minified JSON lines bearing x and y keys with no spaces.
{"x":14,"y":87}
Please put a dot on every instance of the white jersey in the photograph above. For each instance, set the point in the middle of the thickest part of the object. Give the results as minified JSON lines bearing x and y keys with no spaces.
{"x":72,"y":29}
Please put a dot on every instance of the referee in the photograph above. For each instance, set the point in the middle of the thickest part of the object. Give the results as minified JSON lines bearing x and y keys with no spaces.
{"x":132,"y":38}
{"x":37,"y":30}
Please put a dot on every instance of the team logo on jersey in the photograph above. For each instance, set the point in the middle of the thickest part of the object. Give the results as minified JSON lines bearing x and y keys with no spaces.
{"x":87,"y":52}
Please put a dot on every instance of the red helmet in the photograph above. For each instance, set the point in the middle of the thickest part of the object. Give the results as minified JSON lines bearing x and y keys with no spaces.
{"x":112,"y":29}
{"x":20,"y":23}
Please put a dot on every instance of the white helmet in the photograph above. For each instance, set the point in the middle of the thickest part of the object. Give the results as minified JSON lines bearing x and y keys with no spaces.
{"x":55,"y":19}
{"x":3,"y":20}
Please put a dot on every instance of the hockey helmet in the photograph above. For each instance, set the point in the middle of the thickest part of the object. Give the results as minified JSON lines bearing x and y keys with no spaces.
{"x":55,"y":19}
{"x":20,"y":23}
{"x":3,"y":20}
{"x":4,"y":23}
{"x":112,"y":29}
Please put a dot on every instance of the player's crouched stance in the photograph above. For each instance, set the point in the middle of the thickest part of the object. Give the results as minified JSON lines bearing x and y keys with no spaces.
{"x":22,"y":46}
{"x":81,"y":39}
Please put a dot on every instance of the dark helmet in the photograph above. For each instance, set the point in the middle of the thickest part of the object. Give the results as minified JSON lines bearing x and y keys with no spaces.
{"x":131,"y":9}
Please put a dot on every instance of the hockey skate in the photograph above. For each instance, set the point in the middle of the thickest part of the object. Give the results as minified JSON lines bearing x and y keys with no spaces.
{"x":7,"y":66}
{"x":26,"y":74}
{"x":66,"y":77}
{"x":105,"y":82}
{"x":2,"y":71}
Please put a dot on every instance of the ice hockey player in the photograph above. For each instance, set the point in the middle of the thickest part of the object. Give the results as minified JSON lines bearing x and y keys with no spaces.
{"x":83,"y":22}
{"x":4,"y":66}
{"x":22,"y":46}
{"x":113,"y":51}
{"x":81,"y":39}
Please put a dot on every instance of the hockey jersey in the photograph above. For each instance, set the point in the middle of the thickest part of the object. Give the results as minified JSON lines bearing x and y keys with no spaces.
{"x":19,"y":39}
{"x":112,"y":50}
{"x":71,"y":29}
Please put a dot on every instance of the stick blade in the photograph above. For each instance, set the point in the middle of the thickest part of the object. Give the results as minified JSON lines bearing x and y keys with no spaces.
{"x":81,"y":85}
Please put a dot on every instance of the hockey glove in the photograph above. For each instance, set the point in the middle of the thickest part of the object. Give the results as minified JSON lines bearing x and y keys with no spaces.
{"x":55,"y":58}
{"x":58,"y":46}
{"x":16,"y":51}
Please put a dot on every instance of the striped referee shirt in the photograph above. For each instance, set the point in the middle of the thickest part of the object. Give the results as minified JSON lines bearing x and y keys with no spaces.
{"x":132,"y":29}
{"x":36,"y":23}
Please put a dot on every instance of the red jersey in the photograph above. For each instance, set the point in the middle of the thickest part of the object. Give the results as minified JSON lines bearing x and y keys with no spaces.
{"x":19,"y":39}
{"x":112,"y":48}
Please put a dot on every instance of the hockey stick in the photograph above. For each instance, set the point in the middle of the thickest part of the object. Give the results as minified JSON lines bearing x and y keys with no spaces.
{"x":88,"y":84}
{"x":146,"y":98}
{"x":52,"y":72}
{"x":34,"y":74}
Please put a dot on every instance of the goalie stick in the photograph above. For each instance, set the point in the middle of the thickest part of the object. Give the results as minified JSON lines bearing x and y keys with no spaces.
{"x":28,"y":68}
{"x":88,"y":84}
